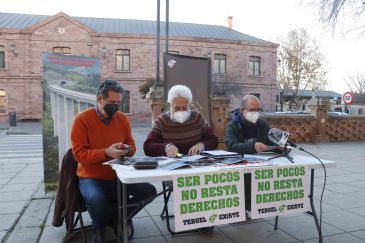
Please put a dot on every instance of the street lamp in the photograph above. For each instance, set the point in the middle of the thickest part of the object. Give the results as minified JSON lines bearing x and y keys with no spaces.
{"x":157,"y":81}
{"x":277,"y":84}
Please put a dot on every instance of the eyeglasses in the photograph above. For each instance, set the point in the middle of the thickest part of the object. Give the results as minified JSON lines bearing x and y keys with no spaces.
{"x":254,"y":110}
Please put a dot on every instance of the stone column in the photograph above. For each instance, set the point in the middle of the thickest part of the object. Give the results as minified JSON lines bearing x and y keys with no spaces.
{"x":319,"y":108}
{"x":155,"y":97}
{"x":219,"y":106}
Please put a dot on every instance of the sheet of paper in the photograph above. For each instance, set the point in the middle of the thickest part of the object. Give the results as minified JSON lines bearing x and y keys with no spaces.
{"x":218,"y":152}
{"x":193,"y":157}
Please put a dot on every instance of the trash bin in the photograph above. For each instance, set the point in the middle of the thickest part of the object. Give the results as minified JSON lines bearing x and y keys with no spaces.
{"x":12,"y":119}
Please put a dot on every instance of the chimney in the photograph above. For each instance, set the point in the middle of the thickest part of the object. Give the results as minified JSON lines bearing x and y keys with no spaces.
{"x":230,"y":22}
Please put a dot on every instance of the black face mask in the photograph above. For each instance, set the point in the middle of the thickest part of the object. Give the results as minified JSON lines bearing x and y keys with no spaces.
{"x":110,"y":109}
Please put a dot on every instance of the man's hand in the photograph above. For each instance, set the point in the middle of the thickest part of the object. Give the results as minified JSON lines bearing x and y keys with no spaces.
{"x":117,"y":150}
{"x":171,"y":150}
{"x":196,"y":149}
{"x":260,"y":147}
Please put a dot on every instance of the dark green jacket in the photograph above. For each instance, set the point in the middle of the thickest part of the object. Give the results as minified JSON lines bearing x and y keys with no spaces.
{"x":235,"y":140}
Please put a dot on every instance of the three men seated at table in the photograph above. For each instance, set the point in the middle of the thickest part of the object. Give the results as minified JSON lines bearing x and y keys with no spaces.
{"x":103,"y":133}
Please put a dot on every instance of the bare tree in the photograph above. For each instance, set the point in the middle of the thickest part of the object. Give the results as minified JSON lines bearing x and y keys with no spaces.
{"x":224,"y":85}
{"x":356,"y":82}
{"x":301,"y":66}
{"x":332,"y":11}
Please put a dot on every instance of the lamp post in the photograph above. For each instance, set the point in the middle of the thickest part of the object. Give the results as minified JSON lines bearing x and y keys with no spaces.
{"x":167,"y":26}
{"x":278,"y":85}
{"x":157,"y":81}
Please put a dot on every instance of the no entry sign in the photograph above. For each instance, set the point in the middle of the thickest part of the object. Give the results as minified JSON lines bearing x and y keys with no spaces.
{"x":348,"y":98}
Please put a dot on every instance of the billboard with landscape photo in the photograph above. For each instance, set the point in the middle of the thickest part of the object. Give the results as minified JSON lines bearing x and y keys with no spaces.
{"x":69,"y":86}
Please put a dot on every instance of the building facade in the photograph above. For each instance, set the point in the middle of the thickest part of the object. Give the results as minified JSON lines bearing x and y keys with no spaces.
{"x":127,"y":51}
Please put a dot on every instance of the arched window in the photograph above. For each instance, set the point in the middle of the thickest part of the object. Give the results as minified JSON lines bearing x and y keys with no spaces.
{"x":125,"y":106}
{"x":2,"y":101}
{"x":62,"y":50}
{"x":2,"y":56}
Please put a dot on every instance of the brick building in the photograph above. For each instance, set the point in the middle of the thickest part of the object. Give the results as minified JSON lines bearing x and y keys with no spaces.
{"x":126,"y":49}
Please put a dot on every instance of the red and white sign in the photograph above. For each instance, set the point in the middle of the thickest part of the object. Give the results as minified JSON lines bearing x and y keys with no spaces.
{"x":348,"y":98}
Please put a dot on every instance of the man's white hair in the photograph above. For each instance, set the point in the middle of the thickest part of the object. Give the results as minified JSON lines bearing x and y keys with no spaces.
{"x":179,"y":91}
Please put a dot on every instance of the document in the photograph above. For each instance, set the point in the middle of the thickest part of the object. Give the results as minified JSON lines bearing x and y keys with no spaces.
{"x":175,"y":165}
{"x":192,"y":158}
{"x":220,"y":153}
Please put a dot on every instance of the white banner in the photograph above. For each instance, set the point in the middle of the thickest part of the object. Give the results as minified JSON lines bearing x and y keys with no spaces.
{"x":202,"y":200}
{"x":279,"y":191}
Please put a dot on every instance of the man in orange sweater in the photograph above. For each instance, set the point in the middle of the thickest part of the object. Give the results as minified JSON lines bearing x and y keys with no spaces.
{"x":100,"y":134}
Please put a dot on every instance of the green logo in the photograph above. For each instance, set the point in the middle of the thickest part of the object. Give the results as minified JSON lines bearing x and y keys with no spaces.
{"x":212,"y":218}
{"x":281,"y":208}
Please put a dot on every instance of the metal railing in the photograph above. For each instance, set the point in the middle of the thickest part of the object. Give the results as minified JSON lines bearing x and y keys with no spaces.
{"x":65,"y":104}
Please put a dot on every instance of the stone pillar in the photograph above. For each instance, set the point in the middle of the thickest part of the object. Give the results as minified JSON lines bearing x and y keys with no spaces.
{"x":319,"y":108}
{"x":219,"y":106}
{"x":155,"y":97}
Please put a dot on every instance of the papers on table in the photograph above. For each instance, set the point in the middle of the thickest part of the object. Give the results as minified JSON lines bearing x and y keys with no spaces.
{"x":193,"y":157}
{"x":220,"y":154}
{"x":247,"y":161}
{"x":175,"y":165}
{"x":130,"y":161}
{"x":219,"y":158}
{"x":185,"y":162}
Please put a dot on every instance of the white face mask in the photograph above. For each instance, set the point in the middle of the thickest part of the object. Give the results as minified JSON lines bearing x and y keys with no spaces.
{"x":251,"y":116}
{"x":181,"y":116}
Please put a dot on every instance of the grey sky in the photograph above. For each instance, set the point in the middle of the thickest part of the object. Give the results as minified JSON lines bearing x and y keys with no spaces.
{"x":265,"y":19}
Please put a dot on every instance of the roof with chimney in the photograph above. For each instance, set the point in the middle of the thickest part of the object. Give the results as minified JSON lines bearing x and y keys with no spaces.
{"x":134,"y":26}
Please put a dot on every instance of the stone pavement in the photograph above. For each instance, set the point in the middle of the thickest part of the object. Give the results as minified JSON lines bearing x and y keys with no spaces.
{"x":27,"y":216}
{"x":22,"y":198}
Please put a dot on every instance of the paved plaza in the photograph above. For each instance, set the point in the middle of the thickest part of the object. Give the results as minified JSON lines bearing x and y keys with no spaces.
{"x":26,"y":211}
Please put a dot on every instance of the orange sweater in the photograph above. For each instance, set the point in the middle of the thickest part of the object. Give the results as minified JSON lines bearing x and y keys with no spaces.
{"x":90,"y":137}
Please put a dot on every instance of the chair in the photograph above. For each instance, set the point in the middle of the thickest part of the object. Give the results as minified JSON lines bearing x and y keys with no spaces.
{"x":81,"y":207}
{"x":69,"y":199}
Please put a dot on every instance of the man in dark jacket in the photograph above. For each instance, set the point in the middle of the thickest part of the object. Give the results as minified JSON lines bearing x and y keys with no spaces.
{"x":247,"y":134}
